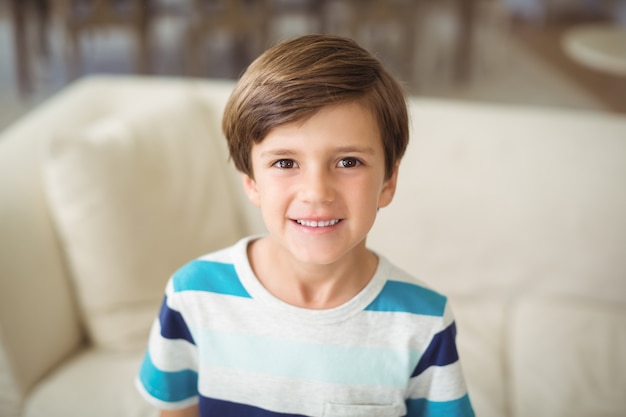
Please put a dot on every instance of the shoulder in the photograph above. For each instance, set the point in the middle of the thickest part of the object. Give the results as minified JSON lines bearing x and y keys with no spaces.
{"x":403,"y":293}
{"x":213,"y":272}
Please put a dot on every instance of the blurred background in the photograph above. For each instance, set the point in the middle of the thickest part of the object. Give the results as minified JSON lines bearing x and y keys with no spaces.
{"x":557,"y":53}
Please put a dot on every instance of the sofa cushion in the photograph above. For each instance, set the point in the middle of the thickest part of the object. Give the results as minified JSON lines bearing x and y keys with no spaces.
{"x":568,"y":357}
{"x":73,"y":391}
{"x":134,"y":196}
{"x":9,"y":395}
{"x":481,"y":322}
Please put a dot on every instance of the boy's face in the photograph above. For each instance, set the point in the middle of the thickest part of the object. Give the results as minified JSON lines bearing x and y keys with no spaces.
{"x":319,"y":184}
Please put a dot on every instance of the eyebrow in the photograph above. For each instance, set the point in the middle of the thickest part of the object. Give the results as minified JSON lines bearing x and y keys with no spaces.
{"x":278,"y":152}
{"x":356,"y":149}
{"x":343,"y":149}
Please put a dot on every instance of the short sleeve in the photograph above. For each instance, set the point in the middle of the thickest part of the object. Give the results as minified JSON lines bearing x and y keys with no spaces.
{"x":168,"y":376}
{"x":437,"y":386}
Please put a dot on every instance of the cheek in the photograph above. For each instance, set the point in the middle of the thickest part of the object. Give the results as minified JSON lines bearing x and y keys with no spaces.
{"x":273,"y":194}
{"x":365,"y":193}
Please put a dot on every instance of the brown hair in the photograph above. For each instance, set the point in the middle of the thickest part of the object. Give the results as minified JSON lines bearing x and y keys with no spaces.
{"x":296,"y":78}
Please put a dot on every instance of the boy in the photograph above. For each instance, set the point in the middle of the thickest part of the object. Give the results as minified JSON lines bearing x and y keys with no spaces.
{"x":306,"y":321}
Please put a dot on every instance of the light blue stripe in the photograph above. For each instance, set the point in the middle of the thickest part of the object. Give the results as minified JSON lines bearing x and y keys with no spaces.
{"x":168,"y":386}
{"x":291,"y":359}
{"x":456,"y":408}
{"x":404,"y":297}
{"x":209,"y":276}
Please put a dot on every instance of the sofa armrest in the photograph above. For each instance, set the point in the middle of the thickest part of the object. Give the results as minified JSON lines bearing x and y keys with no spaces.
{"x":35,"y":290}
{"x":39,"y":326}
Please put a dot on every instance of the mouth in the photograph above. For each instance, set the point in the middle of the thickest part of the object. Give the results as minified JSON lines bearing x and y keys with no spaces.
{"x":317,"y":224}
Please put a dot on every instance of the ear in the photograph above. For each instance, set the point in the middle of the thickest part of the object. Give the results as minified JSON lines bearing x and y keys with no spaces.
{"x":251,"y":189}
{"x":389,"y":188}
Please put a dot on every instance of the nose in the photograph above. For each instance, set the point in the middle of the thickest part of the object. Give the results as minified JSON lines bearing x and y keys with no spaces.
{"x":317,"y":186}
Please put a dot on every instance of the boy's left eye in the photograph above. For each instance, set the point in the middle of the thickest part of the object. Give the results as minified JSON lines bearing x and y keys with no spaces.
{"x":348,"y":163}
{"x":285,"y":164}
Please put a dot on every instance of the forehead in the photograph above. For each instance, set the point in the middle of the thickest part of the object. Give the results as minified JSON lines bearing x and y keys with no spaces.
{"x":342,"y":124}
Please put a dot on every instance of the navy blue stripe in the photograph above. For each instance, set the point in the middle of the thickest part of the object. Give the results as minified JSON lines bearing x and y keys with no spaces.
{"x":215,"y":407}
{"x":173,"y":324}
{"x":440,"y":352}
{"x":209,"y":276}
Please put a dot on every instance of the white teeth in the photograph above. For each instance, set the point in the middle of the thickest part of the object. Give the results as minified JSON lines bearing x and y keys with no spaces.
{"x":313,"y":223}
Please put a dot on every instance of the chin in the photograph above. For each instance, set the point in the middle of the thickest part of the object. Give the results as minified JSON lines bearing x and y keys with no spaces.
{"x":323,"y":254}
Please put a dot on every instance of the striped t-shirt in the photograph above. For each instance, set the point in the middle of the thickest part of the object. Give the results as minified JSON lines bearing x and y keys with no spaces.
{"x":222,"y":341}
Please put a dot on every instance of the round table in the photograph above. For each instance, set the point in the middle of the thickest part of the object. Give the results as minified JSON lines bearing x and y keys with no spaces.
{"x":598,"y":46}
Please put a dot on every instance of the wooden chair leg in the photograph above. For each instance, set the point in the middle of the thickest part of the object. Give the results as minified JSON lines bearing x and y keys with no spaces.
{"x":73,"y":54}
{"x":144,"y":52}
{"x":193,"y":61}
{"x":22,"y":59}
{"x":42,"y":10}
{"x":465,"y":41}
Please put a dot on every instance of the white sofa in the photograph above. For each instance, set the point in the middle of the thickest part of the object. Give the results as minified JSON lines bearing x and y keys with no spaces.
{"x":518,"y":214}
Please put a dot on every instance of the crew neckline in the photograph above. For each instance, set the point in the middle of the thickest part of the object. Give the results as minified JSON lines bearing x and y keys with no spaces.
{"x":321,"y":316}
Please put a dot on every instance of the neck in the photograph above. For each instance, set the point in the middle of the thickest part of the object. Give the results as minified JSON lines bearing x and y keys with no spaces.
{"x":307,"y":285}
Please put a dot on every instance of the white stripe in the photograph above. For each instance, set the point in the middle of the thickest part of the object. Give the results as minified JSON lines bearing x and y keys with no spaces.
{"x":439,"y":383}
{"x":171,"y":355}
{"x":287,"y":395}
{"x":169,"y":288}
{"x":368,"y":328}
{"x":448,"y":316}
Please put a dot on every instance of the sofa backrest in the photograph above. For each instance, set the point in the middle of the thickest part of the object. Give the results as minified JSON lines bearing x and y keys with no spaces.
{"x":510,"y":199}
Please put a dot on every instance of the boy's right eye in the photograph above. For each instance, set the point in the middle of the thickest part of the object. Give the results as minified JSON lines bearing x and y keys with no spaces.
{"x":285,"y":164}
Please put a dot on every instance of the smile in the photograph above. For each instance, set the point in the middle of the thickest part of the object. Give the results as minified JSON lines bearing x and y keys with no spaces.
{"x":313,"y":223}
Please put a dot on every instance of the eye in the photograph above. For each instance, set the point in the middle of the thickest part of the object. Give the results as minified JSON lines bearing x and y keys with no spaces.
{"x":285,"y":164}
{"x":349,"y":163}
